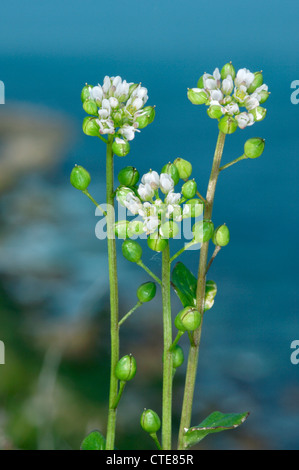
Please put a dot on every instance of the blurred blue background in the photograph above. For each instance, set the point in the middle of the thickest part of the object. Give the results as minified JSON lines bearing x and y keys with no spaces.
{"x":53,"y":269}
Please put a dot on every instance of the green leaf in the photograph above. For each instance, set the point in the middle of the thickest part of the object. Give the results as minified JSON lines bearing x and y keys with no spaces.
{"x":94,"y":441}
{"x":215,"y":422}
{"x":185,"y":284}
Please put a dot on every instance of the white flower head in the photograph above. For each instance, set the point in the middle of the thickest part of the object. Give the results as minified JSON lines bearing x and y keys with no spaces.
{"x":227,"y":85}
{"x":152,"y":178}
{"x":151,"y":224}
{"x":96,"y":93}
{"x":166,"y":183}
{"x":172,"y":198}
{"x":128,"y":131}
{"x":231,"y":109}
{"x":244,"y":119}
{"x":133,"y":204}
{"x":145,"y":191}
{"x":106,"y":126}
{"x":244,"y":77}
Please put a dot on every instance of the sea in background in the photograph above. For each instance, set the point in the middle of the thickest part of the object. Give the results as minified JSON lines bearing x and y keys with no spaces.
{"x":52,"y":264}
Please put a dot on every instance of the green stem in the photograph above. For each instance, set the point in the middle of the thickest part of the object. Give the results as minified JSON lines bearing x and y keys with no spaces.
{"x":154,"y":437}
{"x":124,"y":318}
{"x":200,"y":297}
{"x":94,"y":201}
{"x":114,"y":331}
{"x":167,"y":356}
{"x":178,"y":253}
{"x":243,"y":157}
{"x":177,"y":338}
{"x":120,"y":392}
{"x":216,"y":251}
{"x":140,"y":263}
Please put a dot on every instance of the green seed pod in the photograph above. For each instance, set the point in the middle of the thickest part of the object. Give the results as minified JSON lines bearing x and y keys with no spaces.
{"x":169,"y":229}
{"x":259,"y":113}
{"x":215,"y":112}
{"x":184,"y":168}
{"x":254,"y":147}
{"x":189,"y":189}
{"x":196,"y":207}
{"x":228,"y":69}
{"x":90,"y":107}
{"x":146,"y":291}
{"x":200,"y":83}
{"x":221,"y":236}
{"x":203,"y":230}
{"x":150,"y":421}
{"x":135,"y":227}
{"x":125,"y":369}
{"x":90,"y":126}
{"x":145,"y":117}
{"x":172,"y":171}
{"x":197,"y":96}
{"x":228,"y":125}
{"x":190,"y":318}
{"x":264,"y":95}
{"x":177,"y":356}
{"x":128,"y":176}
{"x":178,"y":323}
{"x":121,"y":229}
{"x":122,"y":193}
{"x":156,"y":243}
{"x":120,"y":147}
{"x":257,"y":82}
{"x":80,"y":178}
{"x":85,"y":93}
{"x":131,"y":250}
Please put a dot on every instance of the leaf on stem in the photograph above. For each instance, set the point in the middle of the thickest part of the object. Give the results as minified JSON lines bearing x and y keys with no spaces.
{"x":215,"y":422}
{"x":94,"y":441}
{"x":185,"y":284}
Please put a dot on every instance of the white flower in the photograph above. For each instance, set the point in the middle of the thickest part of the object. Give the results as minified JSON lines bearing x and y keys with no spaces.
{"x":252,"y":101}
{"x":113,"y":102}
{"x":172,"y":198}
{"x":128,"y":131}
{"x":244,"y":119}
{"x":106,"y":84}
{"x":227,"y":85}
{"x":232,"y":108}
{"x":216,"y":95}
{"x":116,"y":81}
{"x":106,"y":126}
{"x":133,"y":204}
{"x":151,"y":224}
{"x":166,"y":183}
{"x":152,"y":178}
{"x":96,"y":93}
{"x":244,"y":77}
{"x":216,"y":74}
{"x":146,"y":192}
{"x":122,"y":91}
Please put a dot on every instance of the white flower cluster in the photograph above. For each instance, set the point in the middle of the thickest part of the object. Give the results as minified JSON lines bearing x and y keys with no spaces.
{"x":120,"y":104}
{"x":148,"y":203}
{"x":226,"y":92}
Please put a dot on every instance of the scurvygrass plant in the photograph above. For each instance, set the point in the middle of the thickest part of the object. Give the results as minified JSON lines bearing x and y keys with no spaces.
{"x":166,"y":205}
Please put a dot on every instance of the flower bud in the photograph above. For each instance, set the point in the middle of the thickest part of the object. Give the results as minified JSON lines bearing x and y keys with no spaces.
{"x":254,"y":147}
{"x":203,"y":230}
{"x":85,"y":93}
{"x":228,"y":125}
{"x":120,"y":147}
{"x":221,"y":236}
{"x":197,"y":96}
{"x":128,"y":176}
{"x":131,"y":250}
{"x":171,"y":170}
{"x":80,"y":178}
{"x":156,"y":243}
{"x":228,"y":69}
{"x":257,"y":82}
{"x":188,"y":319}
{"x":215,"y":112}
{"x":121,"y":194}
{"x":196,"y":207}
{"x":125,"y":369}
{"x":259,"y":113}
{"x":121,"y":229}
{"x":150,"y":421}
{"x":135,"y":227}
{"x":90,"y":107}
{"x":90,"y":126}
{"x":145,"y":116}
{"x":177,"y":356}
{"x":169,"y":229}
{"x":133,"y":88}
{"x":189,"y":189}
{"x":184,"y":168}
{"x":146,"y":292}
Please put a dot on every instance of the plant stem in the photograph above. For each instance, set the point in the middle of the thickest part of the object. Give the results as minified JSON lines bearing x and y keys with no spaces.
{"x":114,"y":331}
{"x":178,"y":253}
{"x":177,"y":338}
{"x":140,"y":263}
{"x":124,"y":318}
{"x":154,"y":437}
{"x":216,"y":251}
{"x":243,"y":157}
{"x":167,"y":356}
{"x":94,"y":201}
{"x":200,"y":297}
{"x":120,"y":392}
